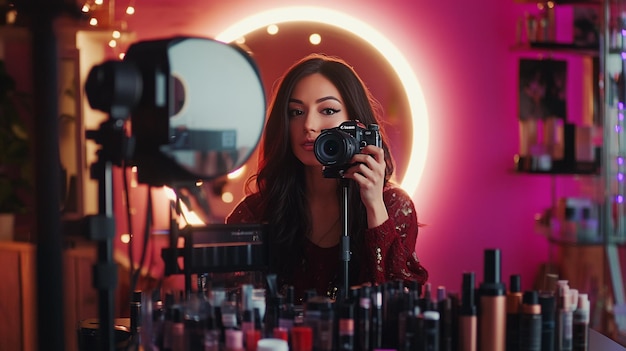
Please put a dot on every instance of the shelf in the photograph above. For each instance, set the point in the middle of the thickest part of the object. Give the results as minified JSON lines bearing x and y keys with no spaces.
{"x":555,"y":237}
{"x":525,"y":164}
{"x":562,"y":2}
{"x":564,"y":48}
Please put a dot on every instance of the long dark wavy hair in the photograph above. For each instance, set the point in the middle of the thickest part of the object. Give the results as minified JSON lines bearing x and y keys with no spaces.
{"x":280,"y":177}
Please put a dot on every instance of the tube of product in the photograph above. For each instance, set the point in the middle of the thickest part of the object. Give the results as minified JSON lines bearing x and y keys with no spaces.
{"x":530,"y":322}
{"x":513,"y":312}
{"x":377,"y":317}
{"x":301,"y":338}
{"x":444,"y":306}
{"x":548,"y":312}
{"x":492,"y":305}
{"x":364,"y":318}
{"x":565,"y":317}
{"x":467,"y":315}
{"x":580,"y":332}
{"x":430,"y":331}
{"x":346,"y":327}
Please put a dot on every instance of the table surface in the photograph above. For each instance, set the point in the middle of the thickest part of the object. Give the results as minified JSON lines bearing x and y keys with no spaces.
{"x":599,"y":341}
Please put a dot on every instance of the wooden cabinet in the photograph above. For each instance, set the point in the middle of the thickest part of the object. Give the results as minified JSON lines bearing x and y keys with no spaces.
{"x":80,"y":297}
{"x":18,"y":294}
{"x":18,"y":309}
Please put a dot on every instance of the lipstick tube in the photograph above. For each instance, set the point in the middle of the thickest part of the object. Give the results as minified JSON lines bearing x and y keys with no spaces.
{"x":492,"y":305}
{"x":468,"y":320}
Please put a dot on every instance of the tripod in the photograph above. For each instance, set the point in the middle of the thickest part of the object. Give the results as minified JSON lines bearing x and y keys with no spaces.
{"x":345,"y":239}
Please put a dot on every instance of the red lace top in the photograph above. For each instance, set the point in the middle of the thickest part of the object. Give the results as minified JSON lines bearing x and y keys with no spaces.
{"x":389,"y":252}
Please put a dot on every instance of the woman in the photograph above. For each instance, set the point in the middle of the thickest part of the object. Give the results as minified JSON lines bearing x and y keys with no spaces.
{"x":303,"y":208}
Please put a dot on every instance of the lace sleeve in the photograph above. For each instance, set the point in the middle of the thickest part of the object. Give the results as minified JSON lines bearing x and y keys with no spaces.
{"x":390,"y":247}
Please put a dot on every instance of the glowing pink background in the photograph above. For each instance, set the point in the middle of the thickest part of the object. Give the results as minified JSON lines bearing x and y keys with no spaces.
{"x":469,"y":196}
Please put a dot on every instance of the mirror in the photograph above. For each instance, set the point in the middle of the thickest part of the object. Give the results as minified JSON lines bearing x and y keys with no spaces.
{"x":275,"y":53}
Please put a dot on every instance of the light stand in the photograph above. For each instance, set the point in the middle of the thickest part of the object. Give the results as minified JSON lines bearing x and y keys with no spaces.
{"x":101,"y":227}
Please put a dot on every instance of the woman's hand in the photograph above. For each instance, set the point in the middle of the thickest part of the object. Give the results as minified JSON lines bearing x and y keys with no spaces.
{"x":369,"y":173}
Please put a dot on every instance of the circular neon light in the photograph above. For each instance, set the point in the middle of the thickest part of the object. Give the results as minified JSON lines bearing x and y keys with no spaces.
{"x":417,"y":103}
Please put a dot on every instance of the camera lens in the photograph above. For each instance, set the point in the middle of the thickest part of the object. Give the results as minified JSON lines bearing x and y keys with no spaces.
{"x":335,"y":147}
{"x":331,"y":147}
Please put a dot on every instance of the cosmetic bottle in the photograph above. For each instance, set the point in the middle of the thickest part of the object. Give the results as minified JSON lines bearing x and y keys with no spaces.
{"x":168,"y":321}
{"x":492,"y":305}
{"x":217,"y":297}
{"x":455,"y":302}
{"x":247,"y":321}
{"x":158,"y":319}
{"x":345,"y":334}
{"x":377,"y":318}
{"x":233,"y":340}
{"x":548,"y":326}
{"x":364,"y":318}
{"x":426,"y":302}
{"x":430,"y":331}
{"x":251,"y":327}
{"x":530,"y":322}
{"x":287,"y":314}
{"x":230,"y":315}
{"x":444,"y":307}
{"x":513,"y":313}
{"x":580,"y":331}
{"x":468,"y":320}
{"x":178,"y":330}
{"x":405,"y":312}
{"x":135,"y":319}
{"x":392,"y":298}
{"x":281,"y":333}
{"x":272,"y":312}
{"x":412,"y":326}
{"x":251,"y":339}
{"x":319,"y":316}
{"x":565,"y":316}
{"x":198,"y":315}
{"x":302,"y":338}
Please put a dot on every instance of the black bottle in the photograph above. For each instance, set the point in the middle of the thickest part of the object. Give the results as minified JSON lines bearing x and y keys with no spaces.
{"x":364,"y":318}
{"x":530,"y":322}
{"x":345,"y":340}
{"x":377,"y":318}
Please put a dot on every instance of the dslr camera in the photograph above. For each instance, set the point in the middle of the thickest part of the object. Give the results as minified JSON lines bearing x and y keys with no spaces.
{"x":335,"y":147}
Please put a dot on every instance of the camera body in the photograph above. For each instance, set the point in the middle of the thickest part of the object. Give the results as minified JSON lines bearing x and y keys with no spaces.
{"x":335,"y":147}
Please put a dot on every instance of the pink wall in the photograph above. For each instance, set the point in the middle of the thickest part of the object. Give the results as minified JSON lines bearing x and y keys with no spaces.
{"x":469,"y":197}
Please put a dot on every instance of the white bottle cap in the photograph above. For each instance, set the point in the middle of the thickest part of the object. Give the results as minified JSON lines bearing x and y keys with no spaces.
{"x":431,"y":315}
{"x":573,"y":293}
{"x":272,"y":344}
{"x":583,"y":302}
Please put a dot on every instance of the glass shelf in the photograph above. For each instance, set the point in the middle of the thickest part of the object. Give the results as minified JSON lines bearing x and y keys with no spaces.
{"x":564,"y":48}
{"x":526,"y":164}
{"x":559,"y":237}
